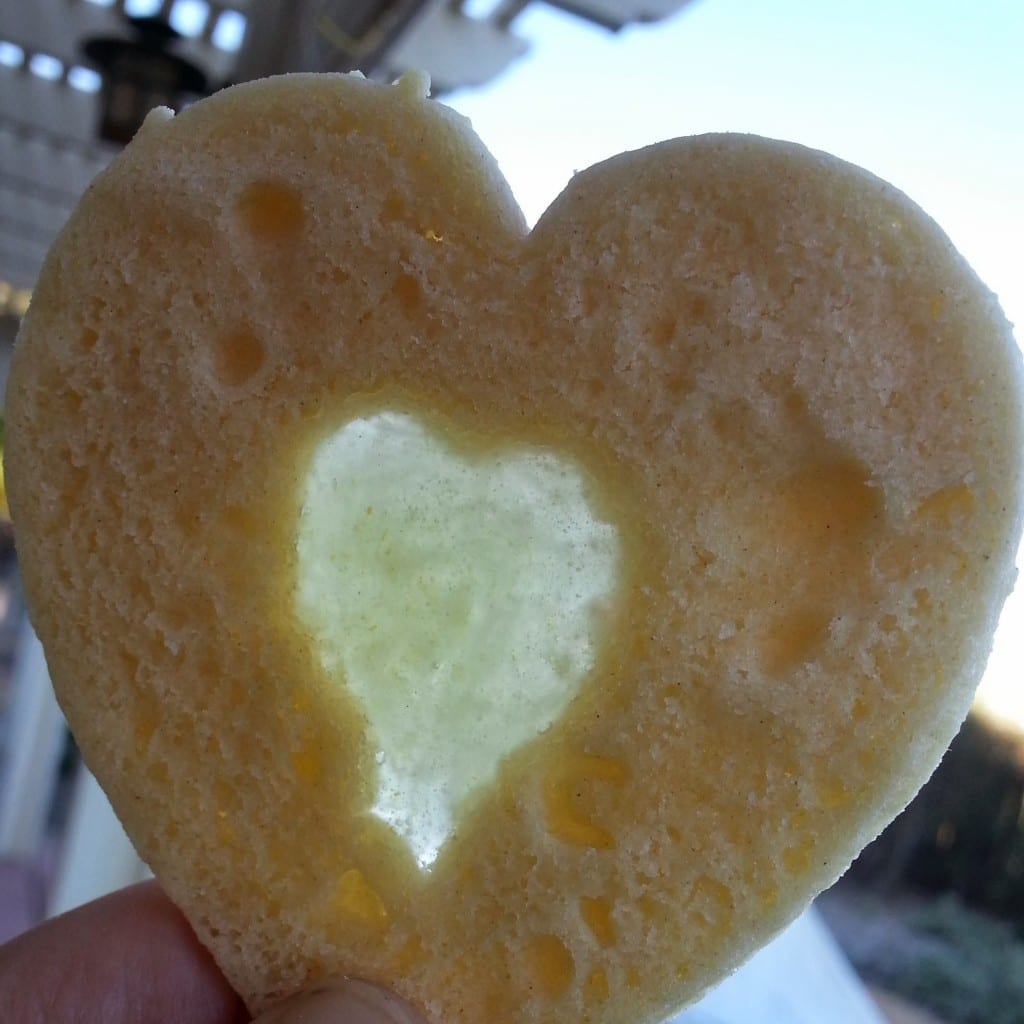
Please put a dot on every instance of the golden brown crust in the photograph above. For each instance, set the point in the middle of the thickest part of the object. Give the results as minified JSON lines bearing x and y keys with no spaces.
{"x":796,"y":400}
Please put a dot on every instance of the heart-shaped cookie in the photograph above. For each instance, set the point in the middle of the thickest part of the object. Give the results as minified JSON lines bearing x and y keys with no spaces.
{"x":530,"y":622}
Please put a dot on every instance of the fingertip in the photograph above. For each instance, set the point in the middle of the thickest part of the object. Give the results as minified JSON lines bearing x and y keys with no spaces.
{"x":348,"y":1001}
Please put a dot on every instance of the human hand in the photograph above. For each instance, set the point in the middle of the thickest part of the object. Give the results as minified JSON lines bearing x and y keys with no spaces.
{"x":131,"y":958}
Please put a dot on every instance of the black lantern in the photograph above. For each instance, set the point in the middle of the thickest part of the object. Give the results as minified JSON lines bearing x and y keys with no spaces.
{"x":139,"y":74}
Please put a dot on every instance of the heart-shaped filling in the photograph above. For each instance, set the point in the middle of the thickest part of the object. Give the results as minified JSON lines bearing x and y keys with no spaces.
{"x":460,"y":598}
{"x":681,"y":524}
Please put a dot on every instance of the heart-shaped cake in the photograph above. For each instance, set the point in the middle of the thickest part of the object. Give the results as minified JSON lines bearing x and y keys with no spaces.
{"x":532,"y":622}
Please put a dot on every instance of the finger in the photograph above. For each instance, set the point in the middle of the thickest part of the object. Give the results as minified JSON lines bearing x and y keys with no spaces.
{"x":344,"y":1002}
{"x":128,"y":958}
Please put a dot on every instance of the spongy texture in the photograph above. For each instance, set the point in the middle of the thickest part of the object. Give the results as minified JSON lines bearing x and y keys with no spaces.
{"x":793,"y":398}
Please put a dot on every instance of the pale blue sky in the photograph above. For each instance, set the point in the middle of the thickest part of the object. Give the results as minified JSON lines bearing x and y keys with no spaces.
{"x":928,"y":94}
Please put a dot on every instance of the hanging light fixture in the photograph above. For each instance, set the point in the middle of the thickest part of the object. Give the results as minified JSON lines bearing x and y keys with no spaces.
{"x":140,"y":73}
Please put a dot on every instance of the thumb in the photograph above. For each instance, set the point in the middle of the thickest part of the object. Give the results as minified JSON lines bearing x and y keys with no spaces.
{"x":349,"y":1001}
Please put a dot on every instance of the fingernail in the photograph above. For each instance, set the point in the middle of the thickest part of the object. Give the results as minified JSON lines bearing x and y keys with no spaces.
{"x":349,"y":1001}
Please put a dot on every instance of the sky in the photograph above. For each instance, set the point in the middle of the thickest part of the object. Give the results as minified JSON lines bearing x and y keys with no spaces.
{"x":928,"y":95}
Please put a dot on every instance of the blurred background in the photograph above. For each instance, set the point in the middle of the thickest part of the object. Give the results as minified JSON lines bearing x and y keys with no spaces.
{"x":929,"y":95}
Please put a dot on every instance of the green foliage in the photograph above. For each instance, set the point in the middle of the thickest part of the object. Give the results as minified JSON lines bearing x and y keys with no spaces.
{"x":973,"y":972}
{"x":964,"y":832}
{"x":946,"y":880}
